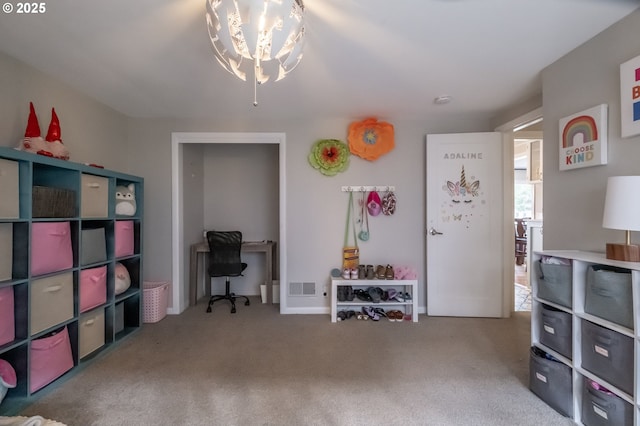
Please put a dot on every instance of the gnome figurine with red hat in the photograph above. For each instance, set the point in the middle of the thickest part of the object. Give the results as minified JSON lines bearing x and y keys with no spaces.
{"x":33,"y":142}
{"x":54,"y":141}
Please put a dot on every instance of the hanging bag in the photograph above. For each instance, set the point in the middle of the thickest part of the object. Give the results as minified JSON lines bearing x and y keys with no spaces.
{"x":350,"y":253}
{"x":364,"y":221}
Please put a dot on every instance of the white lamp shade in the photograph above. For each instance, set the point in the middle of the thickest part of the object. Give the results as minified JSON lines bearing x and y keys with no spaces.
{"x":622,"y":203}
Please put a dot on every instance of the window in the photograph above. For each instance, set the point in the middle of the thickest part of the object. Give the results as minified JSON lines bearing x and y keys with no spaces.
{"x":523,"y":196}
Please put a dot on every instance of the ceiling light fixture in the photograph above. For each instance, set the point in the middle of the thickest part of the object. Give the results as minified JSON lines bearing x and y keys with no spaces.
{"x":266,"y":35}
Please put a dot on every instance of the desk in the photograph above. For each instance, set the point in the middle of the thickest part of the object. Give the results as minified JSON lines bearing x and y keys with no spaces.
{"x":269,"y":248}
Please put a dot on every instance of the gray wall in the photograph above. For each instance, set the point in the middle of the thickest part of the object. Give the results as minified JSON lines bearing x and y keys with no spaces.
{"x":316,"y":207}
{"x":91,"y":131}
{"x":586,"y":77}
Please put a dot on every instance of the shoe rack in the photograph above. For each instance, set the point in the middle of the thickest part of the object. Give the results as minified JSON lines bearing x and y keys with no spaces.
{"x":409,"y":307}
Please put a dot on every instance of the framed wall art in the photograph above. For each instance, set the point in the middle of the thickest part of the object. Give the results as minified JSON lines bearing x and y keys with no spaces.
{"x":630,"y":98}
{"x":583,"y":138}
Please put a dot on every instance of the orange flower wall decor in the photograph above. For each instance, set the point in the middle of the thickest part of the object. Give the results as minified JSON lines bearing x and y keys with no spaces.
{"x":370,"y":138}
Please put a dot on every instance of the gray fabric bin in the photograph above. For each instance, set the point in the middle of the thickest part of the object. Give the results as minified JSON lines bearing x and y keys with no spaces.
{"x":600,"y":408}
{"x":555,"y":328}
{"x":551,"y":381}
{"x":119,"y":318}
{"x":555,"y":283}
{"x":94,"y":246}
{"x":6,"y":251}
{"x":608,"y":294}
{"x":608,"y":354}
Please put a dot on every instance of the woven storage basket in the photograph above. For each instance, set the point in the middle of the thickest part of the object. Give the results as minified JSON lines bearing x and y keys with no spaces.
{"x":53,"y":202}
{"x":156,"y":300}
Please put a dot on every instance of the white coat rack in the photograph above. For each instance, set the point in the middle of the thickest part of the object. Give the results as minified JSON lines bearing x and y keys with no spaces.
{"x":358,"y":188}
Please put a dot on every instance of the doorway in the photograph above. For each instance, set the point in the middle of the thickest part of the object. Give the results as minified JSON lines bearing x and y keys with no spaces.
{"x":527,"y":206}
{"x":180,"y":247}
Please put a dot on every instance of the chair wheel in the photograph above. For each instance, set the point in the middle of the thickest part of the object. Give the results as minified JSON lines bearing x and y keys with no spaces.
{"x":246,"y":303}
{"x":209,"y":309}
{"x":233,"y":310}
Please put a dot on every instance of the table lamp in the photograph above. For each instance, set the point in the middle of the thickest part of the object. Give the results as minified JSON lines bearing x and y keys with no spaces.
{"x":622,"y":211}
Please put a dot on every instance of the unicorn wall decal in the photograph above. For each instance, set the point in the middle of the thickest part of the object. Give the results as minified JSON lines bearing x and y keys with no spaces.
{"x":462,"y":191}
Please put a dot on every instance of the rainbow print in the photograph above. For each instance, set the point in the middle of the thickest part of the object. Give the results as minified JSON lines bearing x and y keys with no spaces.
{"x":583,"y":138}
{"x":583,"y":125}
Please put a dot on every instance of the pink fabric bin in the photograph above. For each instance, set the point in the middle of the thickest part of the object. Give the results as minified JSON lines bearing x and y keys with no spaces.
{"x":124,"y":238}
{"x":7,"y":317}
{"x":50,"y":358}
{"x":51,"y":248}
{"x":93,"y":288}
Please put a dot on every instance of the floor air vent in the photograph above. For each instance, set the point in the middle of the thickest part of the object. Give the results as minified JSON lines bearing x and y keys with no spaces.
{"x":299,"y":289}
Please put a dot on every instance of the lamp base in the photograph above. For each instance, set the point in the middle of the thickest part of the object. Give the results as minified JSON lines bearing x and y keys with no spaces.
{"x":624,"y":252}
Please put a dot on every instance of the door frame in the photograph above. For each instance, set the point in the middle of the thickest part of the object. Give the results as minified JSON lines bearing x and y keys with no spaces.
{"x":178,"y":139}
{"x":509,"y":262}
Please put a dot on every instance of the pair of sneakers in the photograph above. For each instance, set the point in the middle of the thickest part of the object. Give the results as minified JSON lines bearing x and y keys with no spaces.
{"x":398,"y":296}
{"x":350,"y":273}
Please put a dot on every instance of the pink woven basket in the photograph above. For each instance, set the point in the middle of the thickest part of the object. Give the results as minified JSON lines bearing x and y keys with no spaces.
{"x":156,"y":300}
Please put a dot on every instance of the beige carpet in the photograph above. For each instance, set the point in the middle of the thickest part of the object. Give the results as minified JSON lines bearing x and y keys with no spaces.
{"x":257,"y":367}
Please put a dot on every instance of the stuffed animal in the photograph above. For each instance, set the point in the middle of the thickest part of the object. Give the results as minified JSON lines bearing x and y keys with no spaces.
{"x":126,"y":200}
{"x":402,"y":272}
{"x":7,"y":378}
{"x":123,"y":279}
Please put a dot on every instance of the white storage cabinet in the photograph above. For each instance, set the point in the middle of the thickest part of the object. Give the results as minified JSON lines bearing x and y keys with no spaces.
{"x":602,"y":350}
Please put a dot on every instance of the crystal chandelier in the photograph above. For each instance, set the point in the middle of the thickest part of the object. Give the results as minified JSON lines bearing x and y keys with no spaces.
{"x":266,"y":35}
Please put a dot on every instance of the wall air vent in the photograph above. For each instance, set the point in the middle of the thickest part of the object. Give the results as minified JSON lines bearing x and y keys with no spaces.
{"x":302,"y":289}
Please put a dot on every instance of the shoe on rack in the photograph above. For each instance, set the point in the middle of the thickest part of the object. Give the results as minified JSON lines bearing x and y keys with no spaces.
{"x":362,"y":295}
{"x":341,"y":316}
{"x":375,"y":293}
{"x":362,"y":272}
{"x":395,"y":315}
{"x":388,"y":273}
{"x":346,"y":274}
{"x":362,"y":316}
{"x":391,"y":294}
{"x":348,"y":293}
{"x":380,"y":312}
{"x":380,"y":270}
{"x":340,"y":293}
{"x":371,"y":274}
{"x":371,"y":313}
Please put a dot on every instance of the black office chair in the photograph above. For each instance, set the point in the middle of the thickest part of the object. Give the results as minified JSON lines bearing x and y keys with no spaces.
{"x":225,"y":261}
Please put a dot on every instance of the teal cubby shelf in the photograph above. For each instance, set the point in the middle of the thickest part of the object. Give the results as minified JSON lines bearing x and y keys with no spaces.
{"x":75,"y":205}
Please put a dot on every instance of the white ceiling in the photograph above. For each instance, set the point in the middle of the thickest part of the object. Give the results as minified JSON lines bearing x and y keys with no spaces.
{"x":152,"y":58}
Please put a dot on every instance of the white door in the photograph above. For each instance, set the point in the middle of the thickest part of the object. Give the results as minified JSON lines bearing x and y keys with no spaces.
{"x":464,"y":225}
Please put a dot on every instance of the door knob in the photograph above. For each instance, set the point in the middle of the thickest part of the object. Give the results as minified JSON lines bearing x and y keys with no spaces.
{"x":433,"y":231}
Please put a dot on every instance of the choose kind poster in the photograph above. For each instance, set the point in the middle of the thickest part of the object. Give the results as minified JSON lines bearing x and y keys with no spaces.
{"x":583,"y":139}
